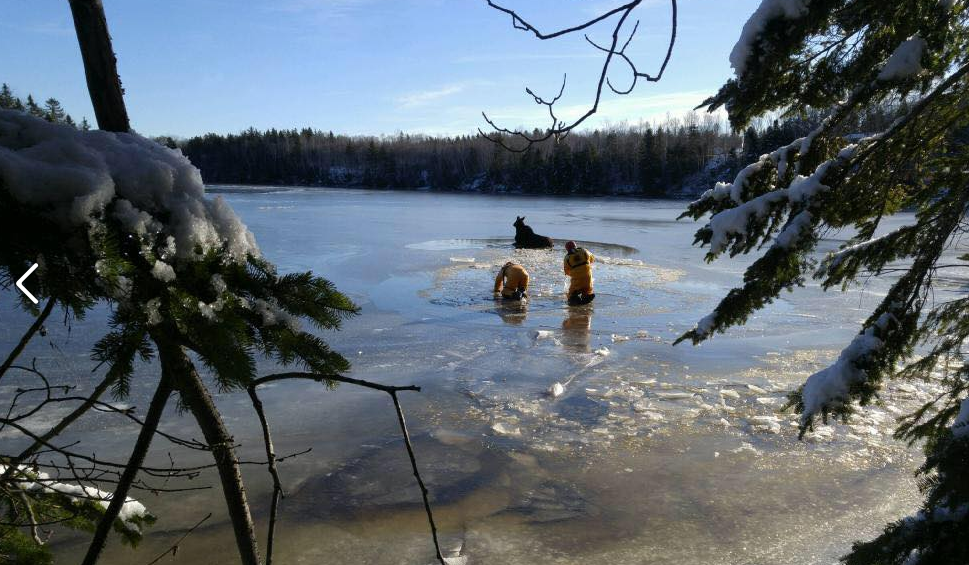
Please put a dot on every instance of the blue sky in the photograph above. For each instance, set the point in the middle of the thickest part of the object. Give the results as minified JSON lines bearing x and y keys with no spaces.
{"x":360,"y":66}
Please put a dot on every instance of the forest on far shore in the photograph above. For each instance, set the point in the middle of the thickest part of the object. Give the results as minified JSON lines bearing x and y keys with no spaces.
{"x":674,"y":157}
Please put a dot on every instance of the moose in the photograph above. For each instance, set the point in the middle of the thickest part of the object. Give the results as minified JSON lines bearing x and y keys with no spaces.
{"x":526,"y":238}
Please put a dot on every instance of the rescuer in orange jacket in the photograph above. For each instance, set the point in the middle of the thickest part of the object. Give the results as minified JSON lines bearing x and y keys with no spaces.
{"x":578,"y":267}
{"x":512,"y":281}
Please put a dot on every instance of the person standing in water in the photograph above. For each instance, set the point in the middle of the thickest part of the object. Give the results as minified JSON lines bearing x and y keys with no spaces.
{"x":578,"y":267}
{"x":512,"y":282}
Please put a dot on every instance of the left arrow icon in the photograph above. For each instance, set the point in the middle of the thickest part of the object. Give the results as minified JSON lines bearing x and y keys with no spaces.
{"x":20,"y":283}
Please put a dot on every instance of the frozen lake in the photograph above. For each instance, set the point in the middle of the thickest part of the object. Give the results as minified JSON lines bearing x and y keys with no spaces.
{"x":653,"y":454}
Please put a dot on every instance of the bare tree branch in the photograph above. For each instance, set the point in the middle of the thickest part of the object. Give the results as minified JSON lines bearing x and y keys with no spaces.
{"x":28,"y":335}
{"x":417,"y":475}
{"x":389,"y":389}
{"x":173,"y":550}
{"x":135,"y":461}
{"x":521,"y":140}
{"x":331,"y":377}
{"x":273,"y":471}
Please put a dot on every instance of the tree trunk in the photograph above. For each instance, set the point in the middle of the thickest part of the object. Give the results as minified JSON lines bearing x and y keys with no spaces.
{"x":135,"y":461}
{"x":197,"y":399}
{"x":100,"y":65}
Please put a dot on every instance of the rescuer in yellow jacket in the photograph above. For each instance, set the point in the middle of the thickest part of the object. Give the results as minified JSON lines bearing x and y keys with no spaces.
{"x":512,"y":281}
{"x":578,"y":267}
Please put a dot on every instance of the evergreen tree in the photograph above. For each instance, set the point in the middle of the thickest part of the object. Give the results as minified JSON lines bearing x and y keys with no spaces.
{"x":53,"y":112}
{"x":853,"y":56}
{"x":85,"y":126}
{"x":650,"y":167}
{"x":751,"y":146}
{"x":8,"y":101}
{"x":33,"y":109}
{"x":185,"y":283}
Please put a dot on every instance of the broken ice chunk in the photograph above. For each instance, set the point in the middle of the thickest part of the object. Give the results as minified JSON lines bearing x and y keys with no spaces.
{"x":674,"y":395}
{"x":556,"y":390}
{"x":506,"y":429}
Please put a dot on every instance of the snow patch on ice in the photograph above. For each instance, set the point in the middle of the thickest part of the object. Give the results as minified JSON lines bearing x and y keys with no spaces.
{"x":506,"y":429}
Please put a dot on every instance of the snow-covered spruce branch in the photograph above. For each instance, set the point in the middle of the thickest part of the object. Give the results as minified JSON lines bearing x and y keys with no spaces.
{"x":841,"y":267}
{"x":54,"y":501}
{"x":797,"y":55}
{"x":517,"y":140}
{"x":774,"y":168}
{"x":736,"y":217}
{"x":886,"y":337}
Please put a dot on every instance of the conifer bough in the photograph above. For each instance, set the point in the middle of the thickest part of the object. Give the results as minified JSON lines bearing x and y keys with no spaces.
{"x":111,"y":216}
{"x":845,"y":57}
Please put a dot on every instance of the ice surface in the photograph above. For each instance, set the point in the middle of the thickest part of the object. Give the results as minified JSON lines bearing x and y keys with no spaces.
{"x":525,"y":471}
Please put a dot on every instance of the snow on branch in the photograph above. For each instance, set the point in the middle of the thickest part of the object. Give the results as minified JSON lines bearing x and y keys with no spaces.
{"x":830,"y":387}
{"x":133,"y":513}
{"x":767,"y":11}
{"x":905,"y":61}
{"x":77,"y":176}
{"x":731,"y":225}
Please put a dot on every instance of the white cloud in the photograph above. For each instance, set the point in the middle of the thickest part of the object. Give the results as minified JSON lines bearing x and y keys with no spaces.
{"x":424,"y":97}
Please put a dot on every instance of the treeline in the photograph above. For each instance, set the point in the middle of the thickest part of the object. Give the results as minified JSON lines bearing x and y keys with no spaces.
{"x":675,"y":156}
{"x":52,"y":111}
{"x":646,"y":160}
